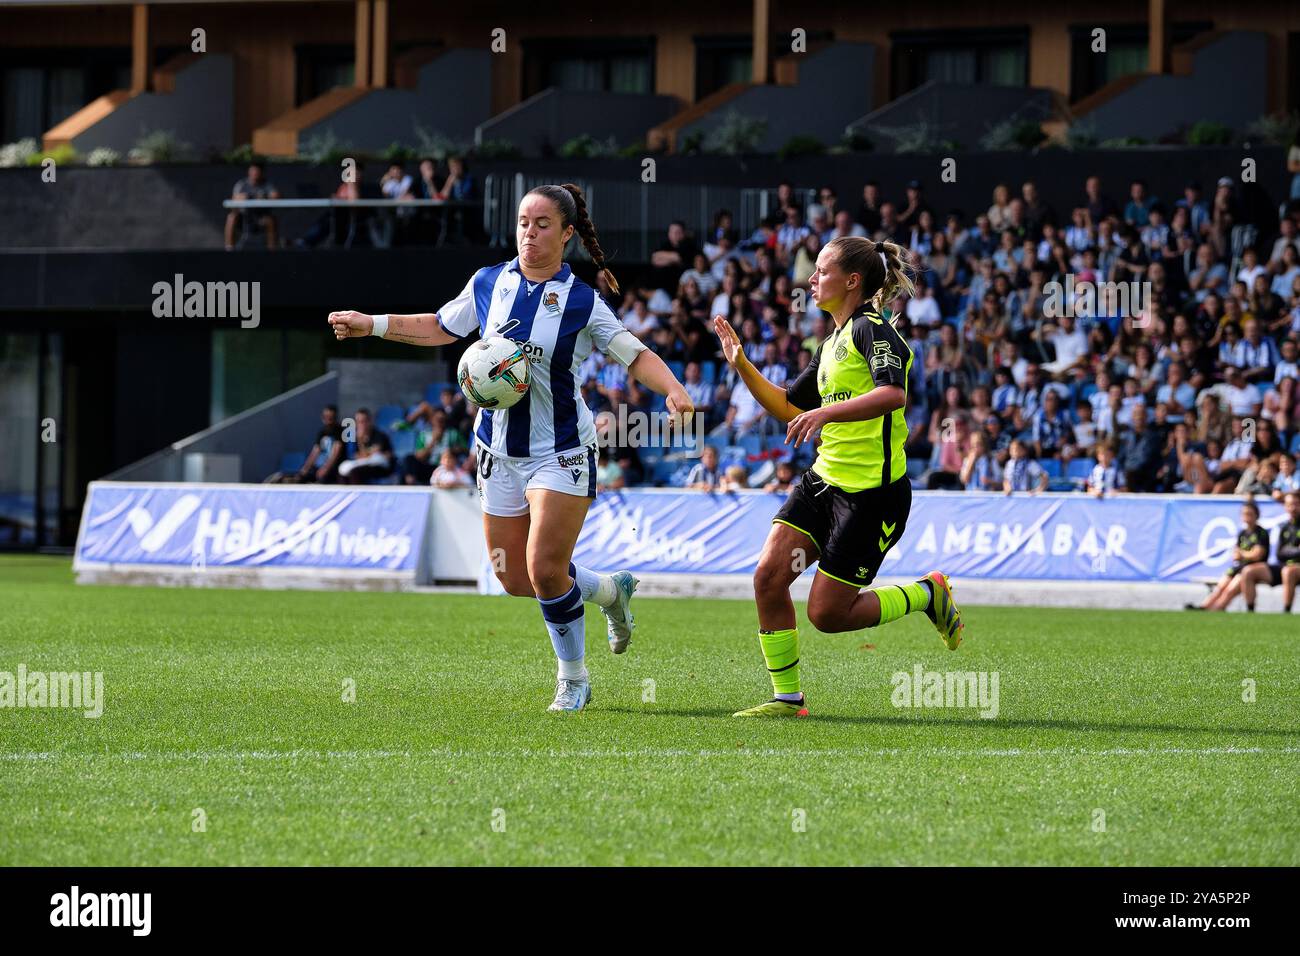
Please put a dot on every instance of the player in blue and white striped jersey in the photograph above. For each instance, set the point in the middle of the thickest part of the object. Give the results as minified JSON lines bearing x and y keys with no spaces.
{"x":537,"y":459}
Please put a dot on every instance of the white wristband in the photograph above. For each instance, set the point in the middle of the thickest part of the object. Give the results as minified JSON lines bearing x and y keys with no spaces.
{"x":381,"y":325}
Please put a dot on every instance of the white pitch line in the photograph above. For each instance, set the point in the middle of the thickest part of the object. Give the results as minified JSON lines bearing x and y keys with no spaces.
{"x":206,"y":755}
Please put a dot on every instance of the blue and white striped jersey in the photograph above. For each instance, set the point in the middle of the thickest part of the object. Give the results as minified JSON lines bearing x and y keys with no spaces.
{"x":558,"y":323}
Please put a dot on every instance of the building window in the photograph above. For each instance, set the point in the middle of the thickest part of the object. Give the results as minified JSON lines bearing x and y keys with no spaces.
{"x":1127,"y":48}
{"x":721,"y":61}
{"x":994,"y":57}
{"x":321,"y":67}
{"x":615,"y":65}
{"x":39,"y":91}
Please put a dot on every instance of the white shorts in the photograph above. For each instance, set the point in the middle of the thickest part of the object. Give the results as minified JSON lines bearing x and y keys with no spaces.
{"x":502,"y":482}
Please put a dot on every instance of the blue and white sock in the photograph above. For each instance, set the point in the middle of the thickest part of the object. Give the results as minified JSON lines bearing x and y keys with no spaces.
{"x":594,"y":587}
{"x":567,"y":626}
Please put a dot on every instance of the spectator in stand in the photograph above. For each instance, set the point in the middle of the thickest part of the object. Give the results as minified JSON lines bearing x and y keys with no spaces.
{"x":1105,"y":477}
{"x":869,"y":210}
{"x":373,"y":460}
{"x":449,"y":474}
{"x":1256,"y":354}
{"x":327,"y":451}
{"x":673,"y":256}
{"x":1022,"y":473}
{"x":735,"y":478}
{"x":1050,"y":429}
{"x":704,"y":474}
{"x":783,"y":478}
{"x":790,"y":235}
{"x":998,"y":209}
{"x":254,"y":185}
{"x":1139,"y":204}
{"x":1099,"y":205}
{"x":396,"y":183}
{"x":1141,"y":448}
{"x":980,"y":469}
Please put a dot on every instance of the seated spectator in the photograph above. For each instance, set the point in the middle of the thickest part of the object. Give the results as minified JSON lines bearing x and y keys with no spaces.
{"x":1140,"y":450}
{"x":783,"y":480}
{"x":609,"y":476}
{"x":735,"y":478}
{"x":373,"y":460}
{"x":1105,"y":477}
{"x":449,"y":474}
{"x":1251,"y":548}
{"x":980,"y":469}
{"x":1256,"y":354}
{"x":1050,"y":428}
{"x":253,"y":186}
{"x":327,"y":451}
{"x":1085,"y":429}
{"x":704,"y":475}
{"x":1287,"y":481}
{"x":1022,"y":473}
{"x":674,"y":255}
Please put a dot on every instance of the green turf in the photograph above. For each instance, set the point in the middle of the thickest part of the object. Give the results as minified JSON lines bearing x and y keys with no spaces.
{"x":231,"y":701}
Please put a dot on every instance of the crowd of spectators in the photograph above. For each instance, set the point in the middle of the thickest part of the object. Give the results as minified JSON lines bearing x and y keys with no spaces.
{"x":1142,"y":344}
{"x":1139,"y":344}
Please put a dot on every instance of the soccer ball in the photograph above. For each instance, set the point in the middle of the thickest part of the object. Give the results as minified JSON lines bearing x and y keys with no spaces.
{"x":494,"y":373}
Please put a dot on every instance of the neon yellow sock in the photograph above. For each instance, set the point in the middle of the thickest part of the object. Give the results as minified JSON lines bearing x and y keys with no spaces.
{"x":781,"y":651}
{"x":897,"y":600}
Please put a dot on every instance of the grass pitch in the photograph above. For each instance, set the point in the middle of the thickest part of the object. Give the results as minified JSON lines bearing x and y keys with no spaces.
{"x":1121,"y":737}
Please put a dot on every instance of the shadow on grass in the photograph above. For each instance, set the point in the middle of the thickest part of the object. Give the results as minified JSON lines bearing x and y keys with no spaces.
{"x":972,"y":721}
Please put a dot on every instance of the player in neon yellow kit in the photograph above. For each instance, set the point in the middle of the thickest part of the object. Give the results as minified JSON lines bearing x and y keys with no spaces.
{"x":851,"y":507}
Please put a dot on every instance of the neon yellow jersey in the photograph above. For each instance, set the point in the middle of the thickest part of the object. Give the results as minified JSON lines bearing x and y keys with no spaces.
{"x":865,"y":353}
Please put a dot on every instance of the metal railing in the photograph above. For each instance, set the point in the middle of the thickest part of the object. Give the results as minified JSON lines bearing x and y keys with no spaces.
{"x":633,"y":217}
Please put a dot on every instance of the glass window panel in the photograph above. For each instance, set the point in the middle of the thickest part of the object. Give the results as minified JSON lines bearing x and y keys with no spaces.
{"x":1004,"y":67}
{"x":24,"y":103}
{"x":951,"y":66}
{"x":629,"y":74}
{"x":67,"y":92}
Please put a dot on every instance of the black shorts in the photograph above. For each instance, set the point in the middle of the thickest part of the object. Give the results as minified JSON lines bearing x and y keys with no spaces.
{"x":852,"y":530}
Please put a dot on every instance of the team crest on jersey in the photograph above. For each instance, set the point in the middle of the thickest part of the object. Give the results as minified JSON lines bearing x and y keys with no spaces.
{"x":841,"y":352}
{"x":552,"y":301}
{"x":502,"y":292}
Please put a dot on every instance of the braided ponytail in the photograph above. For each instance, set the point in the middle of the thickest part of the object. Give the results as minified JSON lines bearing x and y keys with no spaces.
{"x":587,"y":232}
{"x":573,"y":211}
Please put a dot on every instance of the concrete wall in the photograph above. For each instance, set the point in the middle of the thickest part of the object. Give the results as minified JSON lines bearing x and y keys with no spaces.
{"x":834,"y":88}
{"x":960,"y":112}
{"x":452,"y":96}
{"x":1228,"y":84}
{"x":200,"y":112}
{"x":543,"y":123}
{"x":258,"y":436}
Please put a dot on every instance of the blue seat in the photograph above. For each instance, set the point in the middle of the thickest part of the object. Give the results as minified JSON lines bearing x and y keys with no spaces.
{"x":433,"y":393}
{"x":1052,"y":466}
{"x":403,"y":443}
{"x":1080,"y":467}
{"x":389,"y":415}
{"x":752,"y":444}
{"x":708,"y":373}
{"x":678,"y":369}
{"x":292,"y":461}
